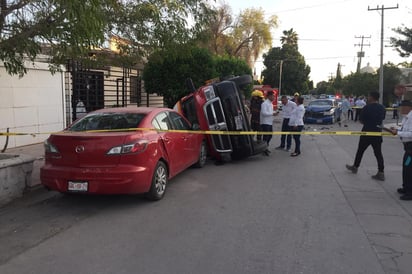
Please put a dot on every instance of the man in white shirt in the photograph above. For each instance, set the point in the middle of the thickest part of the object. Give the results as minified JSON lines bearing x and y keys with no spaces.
{"x":266,"y":119}
{"x":296,"y":124}
{"x":405,"y":134}
{"x":287,"y":108}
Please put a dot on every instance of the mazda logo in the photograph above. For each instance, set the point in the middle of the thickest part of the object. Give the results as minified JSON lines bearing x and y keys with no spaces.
{"x":79,"y":149}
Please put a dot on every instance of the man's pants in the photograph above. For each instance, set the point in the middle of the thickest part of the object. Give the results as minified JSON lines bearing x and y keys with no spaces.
{"x":287,"y":138}
{"x":376,"y":143}
{"x":267,"y":137}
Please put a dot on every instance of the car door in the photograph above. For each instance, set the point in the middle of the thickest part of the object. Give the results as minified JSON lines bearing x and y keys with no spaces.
{"x":172,"y":142}
{"x":191,"y":141}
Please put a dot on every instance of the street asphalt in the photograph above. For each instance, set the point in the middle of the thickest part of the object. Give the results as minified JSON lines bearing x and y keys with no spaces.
{"x":374,"y":206}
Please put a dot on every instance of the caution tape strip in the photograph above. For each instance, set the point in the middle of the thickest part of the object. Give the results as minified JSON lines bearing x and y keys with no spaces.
{"x":218,"y":132}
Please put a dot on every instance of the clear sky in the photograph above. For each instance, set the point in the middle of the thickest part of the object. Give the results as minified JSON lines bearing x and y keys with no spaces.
{"x":327,"y":30}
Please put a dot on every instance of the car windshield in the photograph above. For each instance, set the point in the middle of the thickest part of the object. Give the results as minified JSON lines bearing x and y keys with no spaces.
{"x":107,"y":121}
{"x":321,"y":103}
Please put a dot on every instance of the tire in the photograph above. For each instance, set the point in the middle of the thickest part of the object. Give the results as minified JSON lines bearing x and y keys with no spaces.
{"x":242,"y":81}
{"x":159,"y":182}
{"x":202,"y":156}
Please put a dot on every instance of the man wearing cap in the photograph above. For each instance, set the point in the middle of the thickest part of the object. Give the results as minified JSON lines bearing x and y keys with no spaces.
{"x":266,"y":118}
{"x":287,"y":109}
{"x":371,"y":117}
{"x":405,"y":134}
{"x":255,"y":107}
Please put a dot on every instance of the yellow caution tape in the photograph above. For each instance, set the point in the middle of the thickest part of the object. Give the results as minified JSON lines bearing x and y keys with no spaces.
{"x":217,"y":132}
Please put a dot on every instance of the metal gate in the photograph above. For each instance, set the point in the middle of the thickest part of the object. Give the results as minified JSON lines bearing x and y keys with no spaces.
{"x":88,"y":89}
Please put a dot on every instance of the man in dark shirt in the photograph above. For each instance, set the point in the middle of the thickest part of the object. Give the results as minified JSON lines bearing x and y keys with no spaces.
{"x":371,"y":117}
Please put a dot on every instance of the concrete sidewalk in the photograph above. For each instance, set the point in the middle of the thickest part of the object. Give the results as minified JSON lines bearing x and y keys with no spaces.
{"x":36,"y":151}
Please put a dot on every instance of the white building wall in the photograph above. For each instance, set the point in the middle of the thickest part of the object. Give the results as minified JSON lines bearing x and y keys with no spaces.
{"x":32,"y":104}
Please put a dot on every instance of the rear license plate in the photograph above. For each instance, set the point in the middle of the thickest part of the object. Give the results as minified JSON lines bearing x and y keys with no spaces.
{"x":319,"y":121}
{"x":78,"y":186}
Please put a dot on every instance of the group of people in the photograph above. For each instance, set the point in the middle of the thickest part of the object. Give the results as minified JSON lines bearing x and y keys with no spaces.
{"x":262,"y":114}
{"x":371,"y":116}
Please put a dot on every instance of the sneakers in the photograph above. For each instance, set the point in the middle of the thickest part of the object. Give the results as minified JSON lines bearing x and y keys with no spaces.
{"x":406,"y":197}
{"x":266,"y":152}
{"x":279,"y":148}
{"x":401,"y":190}
{"x":287,"y":149}
{"x":380,"y":176}
{"x":354,"y":169}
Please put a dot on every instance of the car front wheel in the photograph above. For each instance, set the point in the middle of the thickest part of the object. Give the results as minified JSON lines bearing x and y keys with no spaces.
{"x":159,"y":182}
{"x":202,"y":156}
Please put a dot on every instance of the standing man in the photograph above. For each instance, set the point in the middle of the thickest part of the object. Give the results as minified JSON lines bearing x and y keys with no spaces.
{"x":371,"y":117}
{"x":266,"y":119}
{"x":287,"y":108}
{"x":255,"y":106}
{"x":359,"y":104}
{"x":296,"y":124}
{"x":405,"y":134}
{"x":351,"y":104}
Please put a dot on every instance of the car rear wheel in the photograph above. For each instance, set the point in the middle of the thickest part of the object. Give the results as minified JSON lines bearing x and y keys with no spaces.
{"x":159,"y":182}
{"x":202,"y":155}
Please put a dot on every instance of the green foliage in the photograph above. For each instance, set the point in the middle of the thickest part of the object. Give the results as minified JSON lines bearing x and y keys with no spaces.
{"x":295,"y":72}
{"x":166,"y":71}
{"x":72,"y":29}
{"x":231,"y":66}
{"x":403,"y":46}
{"x":359,"y":84}
{"x":69,"y":28}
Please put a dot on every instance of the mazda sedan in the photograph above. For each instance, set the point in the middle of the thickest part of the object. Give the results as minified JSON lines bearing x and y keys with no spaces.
{"x":323,"y":111}
{"x":122,"y":151}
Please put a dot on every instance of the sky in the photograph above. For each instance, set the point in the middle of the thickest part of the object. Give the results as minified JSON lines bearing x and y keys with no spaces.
{"x":328,"y":31}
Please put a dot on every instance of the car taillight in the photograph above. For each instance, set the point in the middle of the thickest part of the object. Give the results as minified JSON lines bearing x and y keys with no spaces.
{"x":49,"y":148}
{"x":137,"y":147}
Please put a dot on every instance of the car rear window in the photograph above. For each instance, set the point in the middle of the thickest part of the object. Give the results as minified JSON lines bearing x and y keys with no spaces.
{"x":107,"y":121}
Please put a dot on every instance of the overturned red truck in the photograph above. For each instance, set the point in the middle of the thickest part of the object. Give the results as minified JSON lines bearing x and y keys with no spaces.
{"x":219,"y":106}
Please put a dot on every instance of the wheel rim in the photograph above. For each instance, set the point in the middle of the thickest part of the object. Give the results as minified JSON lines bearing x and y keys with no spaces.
{"x":160,"y":180}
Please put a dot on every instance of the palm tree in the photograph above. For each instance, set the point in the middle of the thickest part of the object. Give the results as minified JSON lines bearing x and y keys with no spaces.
{"x":290,"y":37}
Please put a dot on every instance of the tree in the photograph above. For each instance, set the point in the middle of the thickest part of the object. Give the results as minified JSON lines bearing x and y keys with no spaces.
{"x":403,"y":46}
{"x":26,"y":25}
{"x":70,"y":29}
{"x":295,"y":72}
{"x":360,"y":84}
{"x":166,"y":71}
{"x":290,"y":37}
{"x":245,"y":36}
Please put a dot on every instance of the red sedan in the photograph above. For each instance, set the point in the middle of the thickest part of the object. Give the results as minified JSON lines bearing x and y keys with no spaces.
{"x":121,"y":151}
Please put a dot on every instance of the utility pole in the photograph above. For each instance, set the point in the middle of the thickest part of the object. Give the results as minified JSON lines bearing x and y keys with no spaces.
{"x":361,"y":54}
{"x":381,"y":65}
{"x":280,"y":77}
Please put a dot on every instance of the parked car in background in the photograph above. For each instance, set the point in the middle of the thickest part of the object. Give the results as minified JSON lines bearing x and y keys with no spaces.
{"x":323,"y":111}
{"x":218,"y":106}
{"x":122,"y":151}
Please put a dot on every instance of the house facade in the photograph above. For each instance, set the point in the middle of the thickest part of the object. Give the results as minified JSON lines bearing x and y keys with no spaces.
{"x":40,"y":103}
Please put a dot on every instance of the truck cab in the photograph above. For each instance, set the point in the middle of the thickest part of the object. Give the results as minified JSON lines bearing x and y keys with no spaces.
{"x":218,"y":106}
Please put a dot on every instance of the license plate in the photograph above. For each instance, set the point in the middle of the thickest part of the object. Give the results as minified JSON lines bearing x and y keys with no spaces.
{"x":78,"y":186}
{"x":319,"y":121}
